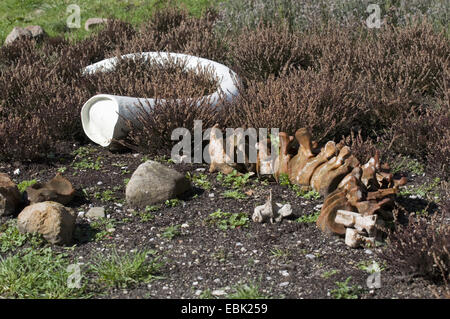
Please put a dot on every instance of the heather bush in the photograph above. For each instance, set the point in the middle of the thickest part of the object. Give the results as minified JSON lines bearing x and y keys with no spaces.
{"x":326,"y":103}
{"x":421,"y":248}
{"x":267,"y":50}
{"x":151,"y":78}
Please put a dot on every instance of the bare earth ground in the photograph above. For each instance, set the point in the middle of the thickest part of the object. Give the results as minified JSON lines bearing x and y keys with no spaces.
{"x":286,"y":260}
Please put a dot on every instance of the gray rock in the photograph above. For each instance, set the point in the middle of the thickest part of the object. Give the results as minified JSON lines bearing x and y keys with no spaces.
{"x":18,"y":33}
{"x":10,"y":197}
{"x":153,"y":183}
{"x":96,"y":213}
{"x":30,"y":32}
{"x":37,"y":32}
{"x":54,"y":221}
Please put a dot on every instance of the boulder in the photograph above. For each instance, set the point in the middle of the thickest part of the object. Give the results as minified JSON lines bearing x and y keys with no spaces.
{"x":10,"y":197}
{"x":54,"y":221}
{"x":30,"y":32}
{"x":18,"y":33}
{"x":153,"y":182}
{"x":37,"y":32}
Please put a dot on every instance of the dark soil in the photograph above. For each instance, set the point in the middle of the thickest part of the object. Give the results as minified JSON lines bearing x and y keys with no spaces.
{"x":204,"y":258}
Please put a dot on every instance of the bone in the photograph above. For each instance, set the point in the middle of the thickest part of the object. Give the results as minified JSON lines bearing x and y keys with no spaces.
{"x":326,"y":221}
{"x":323,"y":170}
{"x":219,"y":159}
{"x":303,"y":177}
{"x":281,"y":165}
{"x":371,"y":207}
{"x":264,"y":213}
{"x":270,"y":212}
{"x":369,"y":174}
{"x":330,"y":181}
{"x":296,"y":164}
{"x":264,"y":162}
{"x":58,"y":189}
{"x":355,"y":240}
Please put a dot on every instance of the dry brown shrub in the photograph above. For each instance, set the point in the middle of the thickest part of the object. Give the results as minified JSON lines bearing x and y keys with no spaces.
{"x":421,"y":248}
{"x":327,"y":105}
{"x":268,"y":50}
{"x":140,"y":77}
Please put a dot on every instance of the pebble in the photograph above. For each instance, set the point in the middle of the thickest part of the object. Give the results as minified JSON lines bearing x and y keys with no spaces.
{"x":201,"y":169}
{"x":218,"y":292}
{"x":310,"y":256}
{"x":284,"y":284}
{"x":239,"y":244}
{"x":216,"y":281}
{"x":198,"y":292}
{"x":16,"y":172}
{"x":99,"y":183}
{"x":195,"y":283}
{"x":368,"y":252}
{"x":211,"y":195}
{"x":81,"y":214}
{"x":185,"y":225}
{"x":284,"y":273}
{"x":268,"y":278}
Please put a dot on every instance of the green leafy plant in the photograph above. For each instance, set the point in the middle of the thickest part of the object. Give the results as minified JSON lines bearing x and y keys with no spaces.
{"x":11,"y":238}
{"x":236,"y":194}
{"x":122,"y":270}
{"x":247,"y":291}
{"x":370,"y":266}
{"x":225,"y":221}
{"x":299,"y":191}
{"x":35,"y":274}
{"x":105,"y":196}
{"x":328,"y":274}
{"x":172,"y":202}
{"x":22,"y":186}
{"x":308,"y":219}
{"x":345,"y":291}
{"x":171,"y":232}
{"x":200,"y":180}
{"x":234,"y":180}
{"x":103,"y":228}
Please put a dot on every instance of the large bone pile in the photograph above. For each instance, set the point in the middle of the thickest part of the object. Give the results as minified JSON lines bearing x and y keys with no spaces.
{"x":357,"y":197}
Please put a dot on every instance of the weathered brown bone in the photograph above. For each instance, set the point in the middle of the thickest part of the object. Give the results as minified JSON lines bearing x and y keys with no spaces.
{"x":282,"y":160}
{"x":59,"y":189}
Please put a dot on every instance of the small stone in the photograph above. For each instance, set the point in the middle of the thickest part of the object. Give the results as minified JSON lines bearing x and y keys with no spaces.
{"x":310,"y":256}
{"x":96,"y":213}
{"x":368,"y":252}
{"x":201,"y":169}
{"x":198,"y":292}
{"x":284,"y":273}
{"x":16,"y":172}
{"x":284,"y":284}
{"x":218,"y":292}
{"x":81,"y":214}
{"x":99,"y":183}
{"x":211,"y":195}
